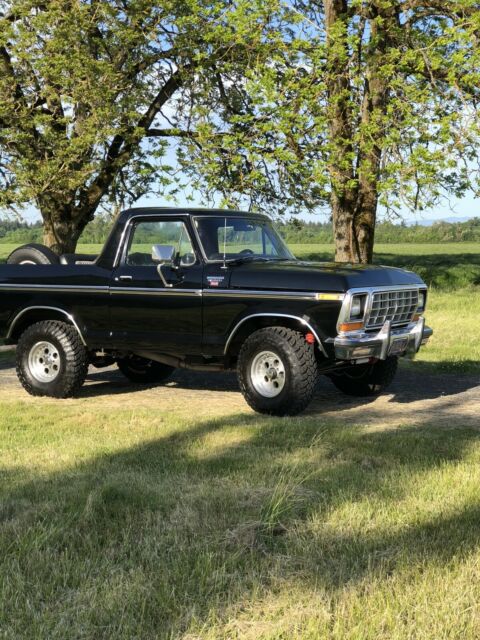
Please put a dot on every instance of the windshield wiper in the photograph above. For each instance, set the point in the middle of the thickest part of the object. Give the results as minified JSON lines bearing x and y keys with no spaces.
{"x":242,"y":259}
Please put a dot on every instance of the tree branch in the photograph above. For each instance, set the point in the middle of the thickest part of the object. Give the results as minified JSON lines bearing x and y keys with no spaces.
{"x":123,"y":145}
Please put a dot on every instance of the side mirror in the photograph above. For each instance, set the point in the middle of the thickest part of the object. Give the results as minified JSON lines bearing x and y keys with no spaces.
{"x":163,"y":253}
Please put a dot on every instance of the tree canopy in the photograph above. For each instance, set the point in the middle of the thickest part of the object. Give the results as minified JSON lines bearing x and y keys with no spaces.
{"x":86,"y":93}
{"x":361,"y":102}
{"x":284,"y":104}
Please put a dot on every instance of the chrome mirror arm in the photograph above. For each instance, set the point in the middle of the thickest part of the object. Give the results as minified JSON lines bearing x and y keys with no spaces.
{"x":162,"y":277}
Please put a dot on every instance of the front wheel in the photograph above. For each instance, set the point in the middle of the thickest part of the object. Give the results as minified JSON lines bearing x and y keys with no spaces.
{"x":277,"y":371}
{"x":367,"y":379}
{"x":141,"y":370}
{"x":51,"y":360}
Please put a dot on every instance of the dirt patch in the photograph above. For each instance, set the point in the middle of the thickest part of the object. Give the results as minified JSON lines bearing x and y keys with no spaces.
{"x":414,"y":397}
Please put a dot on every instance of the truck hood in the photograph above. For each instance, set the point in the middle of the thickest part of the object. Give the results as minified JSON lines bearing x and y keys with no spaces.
{"x":297,"y":275}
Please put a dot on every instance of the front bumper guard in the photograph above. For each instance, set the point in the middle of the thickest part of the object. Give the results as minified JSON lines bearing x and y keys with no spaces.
{"x":405,"y":341}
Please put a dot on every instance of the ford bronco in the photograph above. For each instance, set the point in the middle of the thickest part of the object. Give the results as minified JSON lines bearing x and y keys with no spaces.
{"x":208,"y":290}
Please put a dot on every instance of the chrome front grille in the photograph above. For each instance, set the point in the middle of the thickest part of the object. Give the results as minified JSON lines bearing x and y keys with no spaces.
{"x":396,"y":305}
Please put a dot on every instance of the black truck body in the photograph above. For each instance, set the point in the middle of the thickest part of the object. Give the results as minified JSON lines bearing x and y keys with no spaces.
{"x":198,"y":310}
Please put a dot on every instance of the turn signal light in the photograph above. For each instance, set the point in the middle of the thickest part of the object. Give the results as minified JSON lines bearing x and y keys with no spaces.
{"x":351,"y":326}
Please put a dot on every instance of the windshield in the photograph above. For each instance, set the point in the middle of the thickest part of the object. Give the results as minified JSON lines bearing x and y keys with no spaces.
{"x":234,"y":238}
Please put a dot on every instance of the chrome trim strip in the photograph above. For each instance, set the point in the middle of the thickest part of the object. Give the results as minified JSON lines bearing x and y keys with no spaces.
{"x":251,"y":293}
{"x":275,"y":315}
{"x":37,"y":308}
{"x":235,"y":293}
{"x":67,"y":288}
{"x":137,"y":291}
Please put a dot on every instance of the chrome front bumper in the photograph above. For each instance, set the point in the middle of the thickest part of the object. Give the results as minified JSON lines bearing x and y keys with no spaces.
{"x":405,"y":341}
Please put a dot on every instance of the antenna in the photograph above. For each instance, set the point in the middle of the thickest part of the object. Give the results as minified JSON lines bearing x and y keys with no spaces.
{"x":224,"y":266}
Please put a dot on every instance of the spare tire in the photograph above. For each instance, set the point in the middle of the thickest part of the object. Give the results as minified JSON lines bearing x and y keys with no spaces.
{"x":33,"y":254}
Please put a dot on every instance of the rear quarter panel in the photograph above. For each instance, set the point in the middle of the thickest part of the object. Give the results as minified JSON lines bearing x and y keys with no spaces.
{"x":80,"y":290}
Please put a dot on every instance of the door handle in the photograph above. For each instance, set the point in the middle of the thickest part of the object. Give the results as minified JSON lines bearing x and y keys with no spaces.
{"x":124,"y":278}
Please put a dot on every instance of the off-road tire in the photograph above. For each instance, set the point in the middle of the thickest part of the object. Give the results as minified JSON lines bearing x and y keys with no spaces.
{"x":301,"y":371}
{"x":143,"y":371}
{"x":73,"y":359}
{"x":367,"y":380}
{"x":33,"y":254}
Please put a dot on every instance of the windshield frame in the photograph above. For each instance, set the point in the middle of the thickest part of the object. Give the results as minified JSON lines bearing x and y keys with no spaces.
{"x":264,"y":220}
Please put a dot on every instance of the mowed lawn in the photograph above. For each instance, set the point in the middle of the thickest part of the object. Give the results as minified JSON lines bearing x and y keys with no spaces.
{"x":123,"y":516}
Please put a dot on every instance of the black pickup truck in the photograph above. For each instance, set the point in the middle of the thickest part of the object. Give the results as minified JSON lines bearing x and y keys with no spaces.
{"x":208,"y":290}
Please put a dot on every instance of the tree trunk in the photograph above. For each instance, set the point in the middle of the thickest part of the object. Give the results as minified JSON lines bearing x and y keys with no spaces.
{"x":353,"y":229}
{"x":341,"y":167}
{"x":62,"y":226}
{"x":354,"y":173}
{"x":61,"y":238}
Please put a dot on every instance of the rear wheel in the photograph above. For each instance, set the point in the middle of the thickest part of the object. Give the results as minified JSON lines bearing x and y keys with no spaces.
{"x":367,"y":379}
{"x":277,"y":371}
{"x":33,"y":254}
{"x":51,"y":360}
{"x":141,"y":370}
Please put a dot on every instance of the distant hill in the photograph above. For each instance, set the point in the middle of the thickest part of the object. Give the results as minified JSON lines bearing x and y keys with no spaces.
{"x":429,"y":223}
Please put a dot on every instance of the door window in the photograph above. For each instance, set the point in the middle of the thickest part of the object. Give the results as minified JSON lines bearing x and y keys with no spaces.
{"x":165,"y":232}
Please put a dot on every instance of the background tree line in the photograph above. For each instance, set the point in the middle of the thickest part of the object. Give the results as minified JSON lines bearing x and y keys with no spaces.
{"x":294,"y":232}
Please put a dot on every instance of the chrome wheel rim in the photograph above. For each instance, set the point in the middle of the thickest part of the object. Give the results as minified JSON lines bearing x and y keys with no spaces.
{"x":267,"y":374}
{"x":27,"y":262}
{"x":44,"y":361}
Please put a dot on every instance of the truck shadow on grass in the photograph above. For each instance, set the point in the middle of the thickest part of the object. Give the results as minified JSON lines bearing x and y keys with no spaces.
{"x":415,"y":382}
{"x":193,"y":527}
{"x":410,"y":385}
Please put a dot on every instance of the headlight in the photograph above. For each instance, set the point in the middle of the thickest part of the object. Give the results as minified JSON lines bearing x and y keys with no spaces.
{"x":422,"y":298}
{"x":357,"y":307}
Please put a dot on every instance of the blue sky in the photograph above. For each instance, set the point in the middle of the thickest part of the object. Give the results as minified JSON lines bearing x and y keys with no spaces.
{"x":468,"y":207}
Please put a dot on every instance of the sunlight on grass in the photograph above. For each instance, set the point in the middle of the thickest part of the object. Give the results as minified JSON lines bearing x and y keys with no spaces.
{"x":133,"y":523}
{"x":454,"y":346}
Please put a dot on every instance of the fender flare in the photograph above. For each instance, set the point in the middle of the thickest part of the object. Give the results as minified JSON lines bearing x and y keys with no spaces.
{"x":21,"y":313}
{"x":302,"y":321}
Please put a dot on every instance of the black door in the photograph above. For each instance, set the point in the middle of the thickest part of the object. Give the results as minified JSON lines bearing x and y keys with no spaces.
{"x":158,"y":311}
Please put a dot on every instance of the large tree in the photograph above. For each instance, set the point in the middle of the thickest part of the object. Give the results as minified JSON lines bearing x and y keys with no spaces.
{"x":87,"y":88}
{"x":361,"y":102}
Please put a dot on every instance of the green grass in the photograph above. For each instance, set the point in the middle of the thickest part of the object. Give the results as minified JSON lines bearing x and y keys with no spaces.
{"x":448,"y":266}
{"x":139,"y":522}
{"x":138,"y":517}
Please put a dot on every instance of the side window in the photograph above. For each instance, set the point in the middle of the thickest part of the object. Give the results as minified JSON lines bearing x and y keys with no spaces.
{"x":168,"y":232}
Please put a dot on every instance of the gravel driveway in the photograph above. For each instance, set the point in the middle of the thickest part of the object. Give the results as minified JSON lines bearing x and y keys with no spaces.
{"x":414,"y":398}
